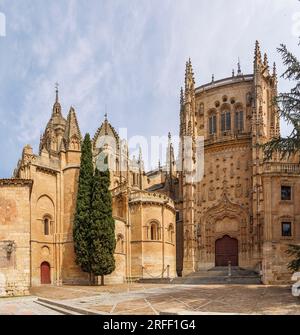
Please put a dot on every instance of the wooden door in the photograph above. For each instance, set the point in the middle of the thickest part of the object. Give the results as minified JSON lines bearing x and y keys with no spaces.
{"x":227,"y":250}
{"x":45,"y":273}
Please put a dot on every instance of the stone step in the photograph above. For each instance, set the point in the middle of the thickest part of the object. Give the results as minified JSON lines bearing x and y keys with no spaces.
{"x":155,"y":280}
{"x":60,"y":310}
{"x":217,"y":280}
{"x":68,"y":307}
{"x":219,"y":275}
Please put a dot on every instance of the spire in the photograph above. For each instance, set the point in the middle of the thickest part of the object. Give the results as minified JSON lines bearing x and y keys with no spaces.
{"x":72,"y":135}
{"x":274,"y":70}
{"x":181,"y":97}
{"x":140,"y":159}
{"x":140,"y":154}
{"x":170,"y":156}
{"x":56,"y":106}
{"x":56,"y":91}
{"x":189,"y":76}
{"x":266,"y":63}
{"x":257,"y":53}
{"x":239,"y":71}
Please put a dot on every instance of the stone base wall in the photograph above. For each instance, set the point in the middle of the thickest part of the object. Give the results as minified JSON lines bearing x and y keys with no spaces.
{"x":14,"y":237}
{"x":274,"y":265}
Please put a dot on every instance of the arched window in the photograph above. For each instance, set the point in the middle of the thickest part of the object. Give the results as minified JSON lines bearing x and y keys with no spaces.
{"x":212,"y":124}
{"x":171,"y":233}
{"x":46,"y":223}
{"x":225,"y":121}
{"x":239,"y":120}
{"x":154,"y":232}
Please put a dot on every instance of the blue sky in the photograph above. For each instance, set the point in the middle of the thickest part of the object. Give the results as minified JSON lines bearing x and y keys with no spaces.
{"x":126,"y":55}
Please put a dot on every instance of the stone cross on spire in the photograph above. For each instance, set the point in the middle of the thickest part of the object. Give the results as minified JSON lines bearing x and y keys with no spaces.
{"x":239,"y":67}
{"x":56,"y":91}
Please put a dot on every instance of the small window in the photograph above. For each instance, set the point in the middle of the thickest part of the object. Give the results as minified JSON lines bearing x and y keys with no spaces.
{"x":286,"y":193}
{"x":46,"y":226}
{"x":225,"y":121}
{"x":212,"y":125}
{"x":239,"y":120}
{"x":286,"y":229}
{"x":154,"y":232}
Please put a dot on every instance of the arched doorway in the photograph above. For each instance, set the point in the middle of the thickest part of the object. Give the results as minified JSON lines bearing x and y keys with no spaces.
{"x":227,"y":250}
{"x":45,"y":273}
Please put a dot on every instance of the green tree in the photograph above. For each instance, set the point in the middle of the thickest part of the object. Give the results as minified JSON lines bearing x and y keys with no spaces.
{"x":294,"y":250}
{"x":289,"y":109}
{"x":82,"y":221}
{"x":103,"y":240}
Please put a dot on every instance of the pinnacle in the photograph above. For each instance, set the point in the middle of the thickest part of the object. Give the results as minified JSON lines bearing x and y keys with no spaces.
{"x":257,"y":52}
{"x":266,"y":63}
{"x":72,"y":128}
{"x":181,"y":96}
{"x":274,"y":70}
{"x":189,"y":75}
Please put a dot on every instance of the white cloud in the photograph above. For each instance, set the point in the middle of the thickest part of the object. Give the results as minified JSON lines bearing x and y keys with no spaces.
{"x":129,"y":55}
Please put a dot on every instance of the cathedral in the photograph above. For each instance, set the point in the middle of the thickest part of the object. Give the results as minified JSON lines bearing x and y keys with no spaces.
{"x":242,"y":210}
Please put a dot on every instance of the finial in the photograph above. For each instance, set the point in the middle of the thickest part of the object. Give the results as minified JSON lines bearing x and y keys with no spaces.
{"x":232,"y":72}
{"x":239,"y":67}
{"x":189,"y":75}
{"x":257,"y":52}
{"x":212,"y":78}
{"x":159,"y":166}
{"x":105,"y":117}
{"x":56,"y":91}
{"x":266,"y":60}
{"x":274,"y":70}
{"x":169,"y":136}
{"x":181,"y":97}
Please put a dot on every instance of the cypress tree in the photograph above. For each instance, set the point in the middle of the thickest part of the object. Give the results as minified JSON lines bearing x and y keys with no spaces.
{"x":103,"y":240}
{"x":82,"y":221}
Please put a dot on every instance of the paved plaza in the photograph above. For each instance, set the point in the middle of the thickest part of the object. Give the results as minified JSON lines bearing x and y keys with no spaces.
{"x":23,"y":306}
{"x":152,"y":299}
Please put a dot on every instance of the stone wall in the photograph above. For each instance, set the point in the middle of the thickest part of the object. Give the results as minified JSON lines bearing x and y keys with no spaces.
{"x":15,"y":237}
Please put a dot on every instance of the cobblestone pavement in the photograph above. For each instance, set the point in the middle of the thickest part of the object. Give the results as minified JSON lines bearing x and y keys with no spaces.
{"x":152,"y":299}
{"x":23,"y":306}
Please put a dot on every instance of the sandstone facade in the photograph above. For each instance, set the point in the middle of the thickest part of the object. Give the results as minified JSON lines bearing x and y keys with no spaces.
{"x":242,"y":210}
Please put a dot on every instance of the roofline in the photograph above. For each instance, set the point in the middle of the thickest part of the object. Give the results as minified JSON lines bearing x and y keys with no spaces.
{"x":16,"y":181}
{"x":224,"y":81}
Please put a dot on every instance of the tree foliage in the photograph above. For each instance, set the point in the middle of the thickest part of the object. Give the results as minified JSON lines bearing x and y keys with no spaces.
{"x":102,"y":226}
{"x":289,"y":109}
{"x":294,"y":250}
{"x":82,"y":219}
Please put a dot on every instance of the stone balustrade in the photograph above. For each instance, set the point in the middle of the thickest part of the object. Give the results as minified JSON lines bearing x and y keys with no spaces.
{"x":288,"y":168}
{"x":150,"y":197}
